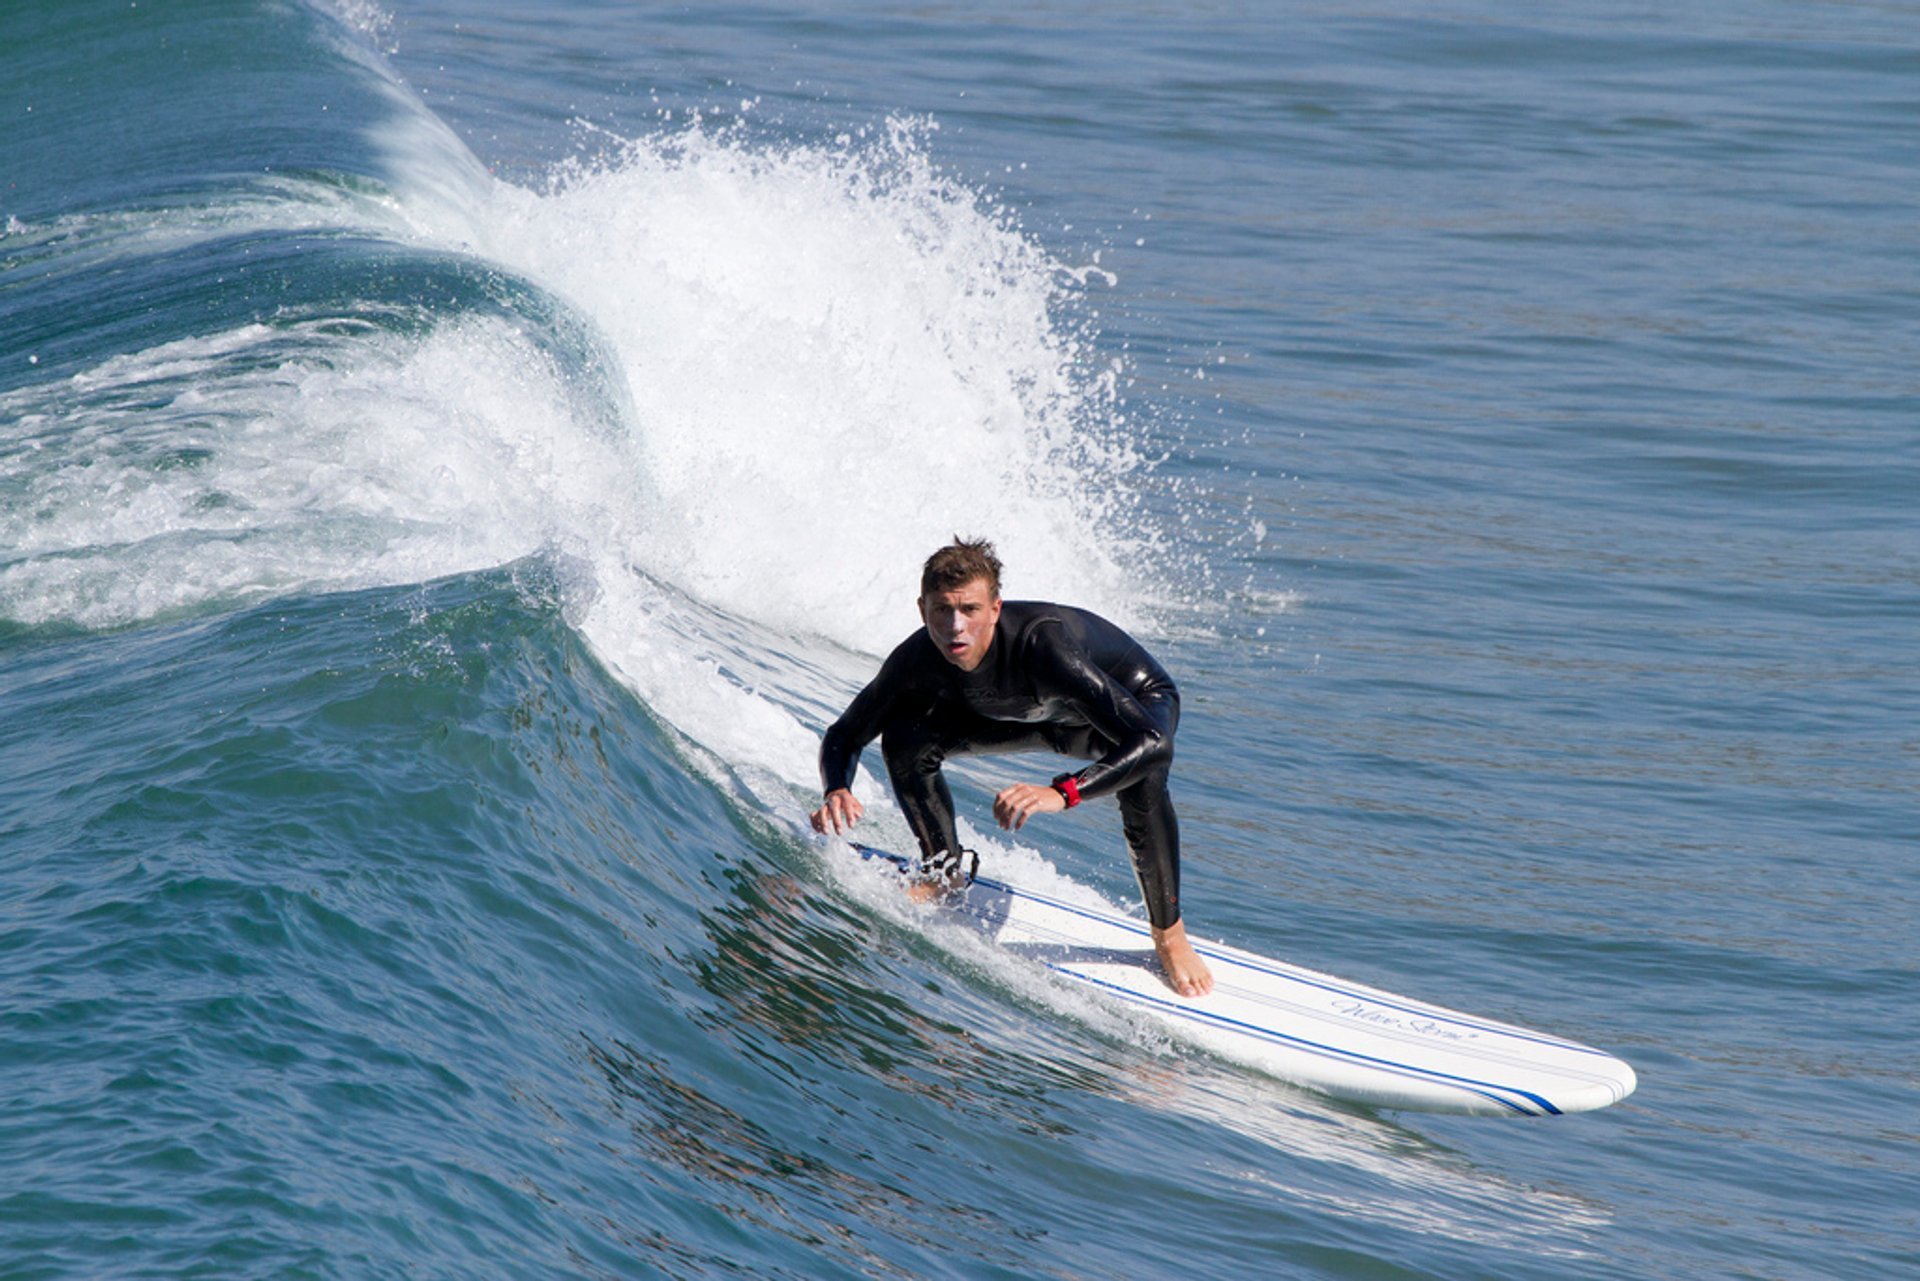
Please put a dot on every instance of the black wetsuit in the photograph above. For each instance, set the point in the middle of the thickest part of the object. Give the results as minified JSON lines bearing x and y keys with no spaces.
{"x":1054,"y":678}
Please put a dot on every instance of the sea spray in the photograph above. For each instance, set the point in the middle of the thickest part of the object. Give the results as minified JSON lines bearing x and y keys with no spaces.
{"x":838,"y":359}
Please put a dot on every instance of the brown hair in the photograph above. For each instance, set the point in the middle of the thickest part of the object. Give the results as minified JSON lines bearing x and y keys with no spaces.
{"x":959,"y":563}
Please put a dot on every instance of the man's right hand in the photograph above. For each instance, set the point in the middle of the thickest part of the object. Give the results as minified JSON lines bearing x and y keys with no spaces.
{"x":840,"y":812}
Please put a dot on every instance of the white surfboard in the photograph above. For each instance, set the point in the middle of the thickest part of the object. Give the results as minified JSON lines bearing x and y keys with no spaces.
{"x":1343,"y":1039}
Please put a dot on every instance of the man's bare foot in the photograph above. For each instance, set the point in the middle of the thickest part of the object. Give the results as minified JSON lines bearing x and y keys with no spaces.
{"x":931,"y":887}
{"x":928,"y":891}
{"x":1185,"y":972}
{"x":941,"y":875}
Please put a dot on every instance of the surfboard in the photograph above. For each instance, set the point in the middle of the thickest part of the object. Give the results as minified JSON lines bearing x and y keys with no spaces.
{"x":1341,"y":1039}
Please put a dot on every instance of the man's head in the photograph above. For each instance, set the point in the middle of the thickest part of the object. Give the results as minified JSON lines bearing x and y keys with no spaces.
{"x":959,"y":563}
{"x":960,"y":600}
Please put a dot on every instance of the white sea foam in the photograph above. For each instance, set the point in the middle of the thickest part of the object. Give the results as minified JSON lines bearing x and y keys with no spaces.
{"x":254,"y":462}
{"x":826,"y":360}
{"x":837,"y":360}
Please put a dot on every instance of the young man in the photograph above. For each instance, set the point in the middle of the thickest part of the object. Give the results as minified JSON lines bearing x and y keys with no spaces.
{"x":987,"y":675}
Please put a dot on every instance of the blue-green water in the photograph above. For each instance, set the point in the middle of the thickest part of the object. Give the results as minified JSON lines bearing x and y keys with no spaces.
{"x":454,"y":459}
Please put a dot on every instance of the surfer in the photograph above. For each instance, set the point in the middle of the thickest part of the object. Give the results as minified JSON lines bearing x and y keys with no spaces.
{"x":986,"y":675}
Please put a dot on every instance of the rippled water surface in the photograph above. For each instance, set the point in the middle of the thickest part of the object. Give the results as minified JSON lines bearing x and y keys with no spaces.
{"x":456,"y":457}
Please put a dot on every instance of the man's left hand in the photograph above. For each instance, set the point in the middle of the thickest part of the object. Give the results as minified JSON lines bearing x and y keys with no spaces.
{"x":1015,"y":805}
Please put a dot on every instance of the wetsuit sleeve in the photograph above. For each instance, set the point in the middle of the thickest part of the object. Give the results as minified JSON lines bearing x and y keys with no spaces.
{"x":863,"y":720}
{"x":1062,"y":669}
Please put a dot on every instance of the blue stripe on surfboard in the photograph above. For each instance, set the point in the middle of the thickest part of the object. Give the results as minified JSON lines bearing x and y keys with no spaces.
{"x":1289,"y":1009}
{"x":1263,"y":965}
{"x":1504,"y":1031}
{"x":1490,"y":1090}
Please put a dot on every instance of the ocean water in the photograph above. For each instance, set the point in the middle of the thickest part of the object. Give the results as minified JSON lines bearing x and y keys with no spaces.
{"x":456,"y":457}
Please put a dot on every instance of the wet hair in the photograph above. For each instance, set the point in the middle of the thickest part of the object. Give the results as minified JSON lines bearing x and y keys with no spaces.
{"x":959,"y":563}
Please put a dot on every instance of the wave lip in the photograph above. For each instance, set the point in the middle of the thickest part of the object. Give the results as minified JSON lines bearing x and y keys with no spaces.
{"x":838,"y":358}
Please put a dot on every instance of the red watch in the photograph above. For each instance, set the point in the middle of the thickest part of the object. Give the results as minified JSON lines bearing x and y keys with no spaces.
{"x":1069,"y":788}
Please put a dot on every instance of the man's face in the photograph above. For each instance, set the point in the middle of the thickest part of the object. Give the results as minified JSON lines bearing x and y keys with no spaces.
{"x":961,"y":622}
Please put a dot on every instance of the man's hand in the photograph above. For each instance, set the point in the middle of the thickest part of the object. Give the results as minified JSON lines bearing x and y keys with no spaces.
{"x":840,"y":812}
{"x":1015,"y":805}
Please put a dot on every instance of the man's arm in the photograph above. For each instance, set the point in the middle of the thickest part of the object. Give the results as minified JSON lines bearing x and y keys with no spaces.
{"x":846,"y":738}
{"x":1065,"y":670}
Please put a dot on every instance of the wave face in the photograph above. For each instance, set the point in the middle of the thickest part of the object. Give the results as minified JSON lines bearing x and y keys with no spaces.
{"x":414,"y":944}
{"x":454,"y":461}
